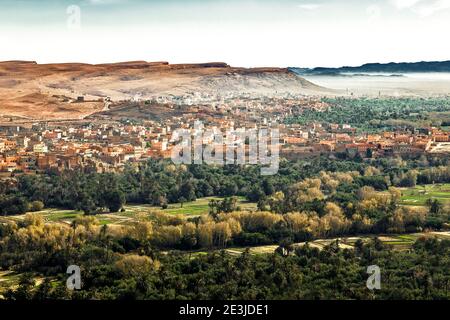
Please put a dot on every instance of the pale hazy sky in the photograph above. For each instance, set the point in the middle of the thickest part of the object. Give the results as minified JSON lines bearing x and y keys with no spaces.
{"x":239,"y":32}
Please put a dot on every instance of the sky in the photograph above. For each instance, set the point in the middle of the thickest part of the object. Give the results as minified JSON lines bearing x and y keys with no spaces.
{"x":302,"y":33}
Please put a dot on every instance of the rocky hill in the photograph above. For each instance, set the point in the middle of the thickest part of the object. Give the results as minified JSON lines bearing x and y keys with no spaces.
{"x":75,"y":90}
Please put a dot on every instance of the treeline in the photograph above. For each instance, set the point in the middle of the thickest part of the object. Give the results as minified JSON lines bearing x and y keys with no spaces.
{"x":157,"y":183}
{"x":160,"y":183}
{"x":325,"y":205}
{"x":292,"y":273}
{"x":381,"y":113}
{"x":13,"y":205}
{"x":305,"y":214}
{"x":126,"y":262}
{"x":333,"y":204}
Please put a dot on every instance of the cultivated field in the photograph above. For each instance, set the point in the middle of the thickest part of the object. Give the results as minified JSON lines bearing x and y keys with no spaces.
{"x":188,"y":209}
{"x":418,"y":195}
{"x":398,"y":242}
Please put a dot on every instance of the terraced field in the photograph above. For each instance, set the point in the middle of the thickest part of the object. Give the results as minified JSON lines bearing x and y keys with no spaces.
{"x":11,"y":280}
{"x":189,"y":209}
{"x":418,"y":195}
{"x":398,"y":242}
{"x":201,"y":206}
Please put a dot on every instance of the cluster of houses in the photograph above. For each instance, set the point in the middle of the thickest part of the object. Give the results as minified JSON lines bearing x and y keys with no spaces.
{"x":104,"y":148}
{"x":108,"y":147}
{"x":317,"y":139}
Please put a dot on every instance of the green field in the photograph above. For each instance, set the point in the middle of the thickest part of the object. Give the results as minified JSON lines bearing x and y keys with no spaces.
{"x":418,"y":195}
{"x":10,"y":279}
{"x":194,"y":208}
{"x":189,"y":209}
{"x":398,"y":242}
{"x":7,"y":280}
{"x":58,"y":215}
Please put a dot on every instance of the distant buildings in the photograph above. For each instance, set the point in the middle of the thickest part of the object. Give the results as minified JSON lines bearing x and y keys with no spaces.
{"x":107,"y":146}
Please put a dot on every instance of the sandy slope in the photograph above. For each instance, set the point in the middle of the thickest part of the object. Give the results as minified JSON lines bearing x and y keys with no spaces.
{"x":47,"y":91}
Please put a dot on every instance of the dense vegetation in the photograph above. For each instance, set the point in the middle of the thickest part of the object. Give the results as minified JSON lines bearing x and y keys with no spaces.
{"x":300,"y":203}
{"x":160,"y":182}
{"x":162,"y":256}
{"x":380,"y":114}
{"x":109,"y":271}
{"x":157,"y":182}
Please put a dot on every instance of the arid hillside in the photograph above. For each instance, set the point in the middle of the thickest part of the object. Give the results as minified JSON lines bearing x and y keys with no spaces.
{"x":51,"y":91}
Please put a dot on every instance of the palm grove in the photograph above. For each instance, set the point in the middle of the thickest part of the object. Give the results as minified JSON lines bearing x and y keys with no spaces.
{"x":306,"y":200}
